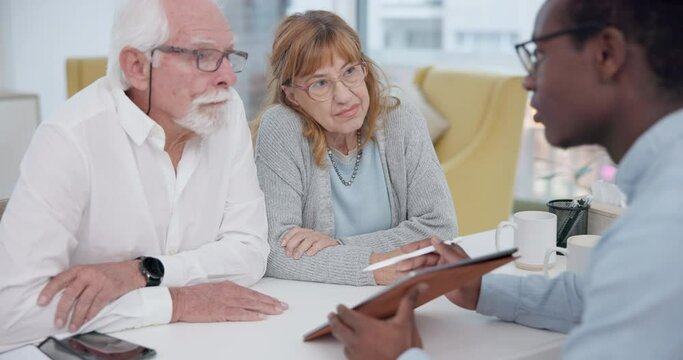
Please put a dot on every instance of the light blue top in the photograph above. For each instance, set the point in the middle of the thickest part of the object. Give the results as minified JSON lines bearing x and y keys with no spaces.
{"x":629,"y":304}
{"x":363,"y":207}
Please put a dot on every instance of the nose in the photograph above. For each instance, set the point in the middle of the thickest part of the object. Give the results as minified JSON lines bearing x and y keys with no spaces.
{"x":225,"y":76}
{"x":529,"y":82}
{"x":341,"y":92}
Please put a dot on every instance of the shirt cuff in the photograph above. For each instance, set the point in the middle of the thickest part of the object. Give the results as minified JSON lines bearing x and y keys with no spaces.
{"x":174,"y":273}
{"x":499,"y":296}
{"x":157,"y":305}
{"x":414,"y":354}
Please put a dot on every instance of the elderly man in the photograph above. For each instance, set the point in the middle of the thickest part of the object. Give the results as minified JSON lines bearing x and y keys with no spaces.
{"x":602,"y":72}
{"x":138,"y":202}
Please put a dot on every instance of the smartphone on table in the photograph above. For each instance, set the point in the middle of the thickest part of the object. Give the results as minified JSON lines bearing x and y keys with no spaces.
{"x":94,"y":346}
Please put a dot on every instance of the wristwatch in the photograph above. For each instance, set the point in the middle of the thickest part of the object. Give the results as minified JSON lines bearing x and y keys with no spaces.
{"x":152,"y":269}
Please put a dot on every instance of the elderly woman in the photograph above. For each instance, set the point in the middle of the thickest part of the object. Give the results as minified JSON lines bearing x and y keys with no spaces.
{"x":349,"y":173}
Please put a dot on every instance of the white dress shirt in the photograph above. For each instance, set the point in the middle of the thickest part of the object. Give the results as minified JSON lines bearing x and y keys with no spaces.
{"x":96,"y":186}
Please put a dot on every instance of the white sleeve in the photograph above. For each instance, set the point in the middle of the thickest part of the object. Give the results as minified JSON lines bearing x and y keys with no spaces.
{"x":37,"y":236}
{"x":241,"y":252}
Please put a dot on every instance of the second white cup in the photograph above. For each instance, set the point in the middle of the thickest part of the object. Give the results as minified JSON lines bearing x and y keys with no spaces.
{"x":578,"y":251}
{"x":534,"y":233}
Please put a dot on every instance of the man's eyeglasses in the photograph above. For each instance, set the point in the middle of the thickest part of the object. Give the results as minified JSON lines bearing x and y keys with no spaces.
{"x":209,"y":60}
{"x":527,"y":50}
{"x":321,"y":89}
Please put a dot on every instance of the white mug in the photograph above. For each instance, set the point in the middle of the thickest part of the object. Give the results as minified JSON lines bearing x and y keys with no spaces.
{"x":534,"y":233}
{"x":578,"y":251}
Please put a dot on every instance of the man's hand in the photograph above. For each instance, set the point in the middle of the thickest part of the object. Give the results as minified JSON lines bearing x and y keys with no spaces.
{"x":299,"y":241}
{"x":389,"y":274}
{"x":365,"y":337}
{"x":467,"y":296}
{"x":89,"y":288}
{"x":222,"y":301}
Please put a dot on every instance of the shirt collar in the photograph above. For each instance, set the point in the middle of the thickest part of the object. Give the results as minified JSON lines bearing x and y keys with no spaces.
{"x":647,"y":147}
{"x":135,"y":122}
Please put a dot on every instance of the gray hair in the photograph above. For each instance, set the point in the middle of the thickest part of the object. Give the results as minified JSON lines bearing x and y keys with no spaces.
{"x":139,"y":24}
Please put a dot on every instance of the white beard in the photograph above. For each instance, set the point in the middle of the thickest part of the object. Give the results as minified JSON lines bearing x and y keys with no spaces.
{"x":204,"y":119}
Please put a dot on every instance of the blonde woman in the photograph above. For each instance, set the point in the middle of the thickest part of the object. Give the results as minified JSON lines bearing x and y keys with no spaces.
{"x":349,"y":173}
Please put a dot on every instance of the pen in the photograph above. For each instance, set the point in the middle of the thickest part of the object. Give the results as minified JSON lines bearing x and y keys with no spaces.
{"x":410,"y":255}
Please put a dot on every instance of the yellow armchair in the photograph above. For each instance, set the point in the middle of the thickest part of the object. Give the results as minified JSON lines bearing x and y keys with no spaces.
{"x":479,"y":151}
{"x":81,"y":72}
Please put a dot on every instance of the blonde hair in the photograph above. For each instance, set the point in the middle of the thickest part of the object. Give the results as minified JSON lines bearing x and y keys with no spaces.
{"x":304,"y":42}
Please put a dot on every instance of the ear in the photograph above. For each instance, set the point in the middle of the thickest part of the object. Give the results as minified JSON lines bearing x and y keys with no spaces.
{"x":289,"y":94}
{"x":611,"y":55}
{"x":135,"y":66}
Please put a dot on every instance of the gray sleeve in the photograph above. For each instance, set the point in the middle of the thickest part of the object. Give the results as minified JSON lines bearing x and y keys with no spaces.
{"x":429,"y":206}
{"x":281,"y":173}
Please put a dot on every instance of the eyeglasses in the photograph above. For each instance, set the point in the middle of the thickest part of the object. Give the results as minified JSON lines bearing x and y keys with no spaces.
{"x":209,"y":60}
{"x":323,"y":88}
{"x":527,"y":51}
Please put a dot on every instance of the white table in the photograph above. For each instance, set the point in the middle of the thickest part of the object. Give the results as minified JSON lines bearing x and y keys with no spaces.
{"x":448,"y":332}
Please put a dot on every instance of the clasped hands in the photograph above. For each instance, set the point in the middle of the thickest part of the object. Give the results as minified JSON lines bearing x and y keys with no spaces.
{"x":89,"y":288}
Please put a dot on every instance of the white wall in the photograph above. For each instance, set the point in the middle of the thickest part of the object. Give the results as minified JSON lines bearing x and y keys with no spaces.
{"x":4,"y":33}
{"x":36,"y":37}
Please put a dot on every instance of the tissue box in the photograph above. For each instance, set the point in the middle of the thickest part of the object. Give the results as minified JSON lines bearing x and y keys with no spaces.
{"x":601,"y":216}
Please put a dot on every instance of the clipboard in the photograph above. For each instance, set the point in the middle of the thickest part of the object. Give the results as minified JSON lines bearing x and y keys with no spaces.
{"x":441,"y":279}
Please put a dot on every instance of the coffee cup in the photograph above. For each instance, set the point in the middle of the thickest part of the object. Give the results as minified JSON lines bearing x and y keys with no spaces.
{"x":534,"y":233}
{"x":579,"y":248}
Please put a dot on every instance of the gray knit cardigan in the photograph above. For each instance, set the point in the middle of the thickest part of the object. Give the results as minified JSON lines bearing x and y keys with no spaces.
{"x":298,"y":193}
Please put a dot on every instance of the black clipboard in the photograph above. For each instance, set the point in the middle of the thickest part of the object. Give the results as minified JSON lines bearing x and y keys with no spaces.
{"x":441,"y":279}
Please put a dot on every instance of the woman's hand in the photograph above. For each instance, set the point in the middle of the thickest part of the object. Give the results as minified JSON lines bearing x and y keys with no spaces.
{"x":389,"y":274}
{"x":299,"y":241}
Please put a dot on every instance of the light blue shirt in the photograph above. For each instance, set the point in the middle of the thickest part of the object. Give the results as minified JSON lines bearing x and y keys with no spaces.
{"x":363,"y":207}
{"x":629,"y":304}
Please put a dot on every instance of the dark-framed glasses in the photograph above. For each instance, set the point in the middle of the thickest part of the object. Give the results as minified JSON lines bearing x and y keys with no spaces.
{"x":209,"y":60}
{"x":321,"y":89}
{"x":528,"y":54}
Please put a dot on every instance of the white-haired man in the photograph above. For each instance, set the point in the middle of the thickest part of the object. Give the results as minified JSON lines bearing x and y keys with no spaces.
{"x":138,"y":202}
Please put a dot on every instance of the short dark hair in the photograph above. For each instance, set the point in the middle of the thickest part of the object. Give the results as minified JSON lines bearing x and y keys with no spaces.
{"x":656,"y":25}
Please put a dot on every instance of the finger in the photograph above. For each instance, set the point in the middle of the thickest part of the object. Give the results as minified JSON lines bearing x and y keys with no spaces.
{"x":433,"y":259}
{"x":82,"y":307}
{"x":67,"y":301}
{"x":293,"y":242}
{"x":253,"y":295}
{"x":98,"y":304}
{"x":354,"y":319}
{"x":319,"y":245}
{"x":303,"y":247}
{"x":288,"y":235}
{"x":417,"y":245}
{"x":450,"y":253}
{"x":238,"y":314}
{"x":404,"y":314}
{"x":53,"y":286}
{"x":411,"y":264}
{"x":341,"y":331}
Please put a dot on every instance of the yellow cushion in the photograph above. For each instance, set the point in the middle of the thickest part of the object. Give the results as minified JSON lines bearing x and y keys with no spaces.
{"x":81,"y":72}
{"x":479,"y":151}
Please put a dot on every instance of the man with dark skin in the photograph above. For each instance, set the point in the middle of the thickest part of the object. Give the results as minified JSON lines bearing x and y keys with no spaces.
{"x":602,"y":72}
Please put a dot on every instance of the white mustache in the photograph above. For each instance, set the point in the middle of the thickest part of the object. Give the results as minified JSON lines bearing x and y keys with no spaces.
{"x":209,"y":98}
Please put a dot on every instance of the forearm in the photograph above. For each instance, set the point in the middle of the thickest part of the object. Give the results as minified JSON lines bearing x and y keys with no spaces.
{"x":24,"y":321}
{"x":335,"y":264}
{"x":535,"y":301}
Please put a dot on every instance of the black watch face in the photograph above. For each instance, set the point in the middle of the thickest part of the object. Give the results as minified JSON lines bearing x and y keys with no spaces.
{"x":154,"y":267}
